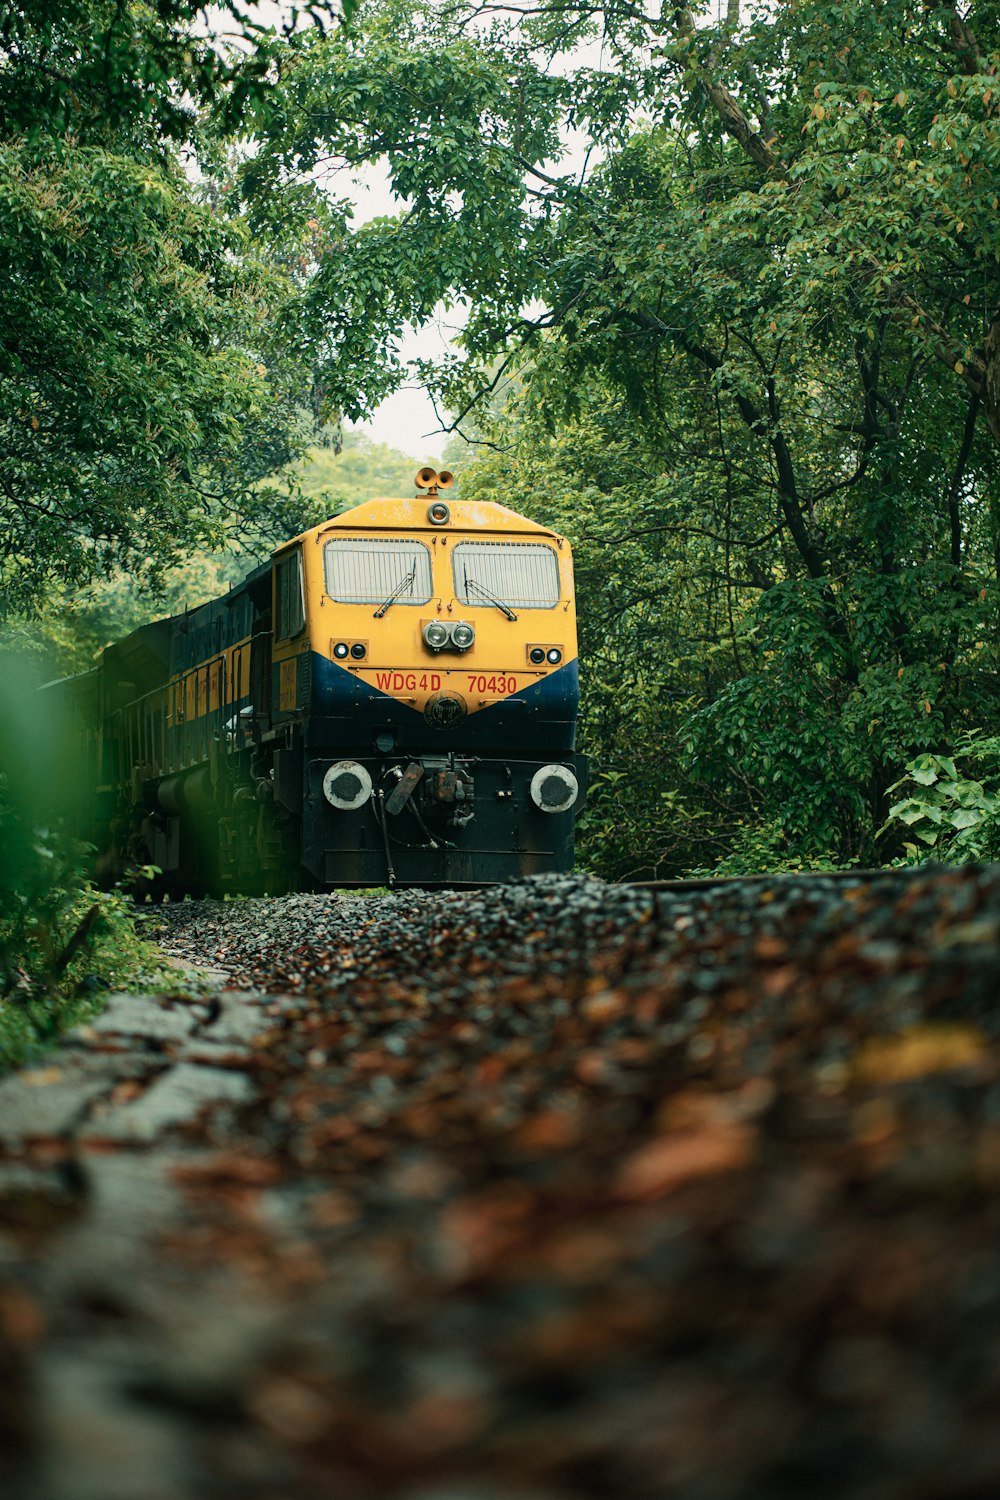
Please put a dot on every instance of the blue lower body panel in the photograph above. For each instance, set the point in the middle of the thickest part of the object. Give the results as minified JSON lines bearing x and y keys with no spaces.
{"x":493,"y":834}
{"x":468,"y":817}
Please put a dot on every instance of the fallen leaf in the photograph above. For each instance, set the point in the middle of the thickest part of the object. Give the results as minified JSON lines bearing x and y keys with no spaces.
{"x":669,"y":1161}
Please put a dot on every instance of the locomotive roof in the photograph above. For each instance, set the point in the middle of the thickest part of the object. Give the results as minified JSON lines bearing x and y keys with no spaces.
{"x":411,"y":515}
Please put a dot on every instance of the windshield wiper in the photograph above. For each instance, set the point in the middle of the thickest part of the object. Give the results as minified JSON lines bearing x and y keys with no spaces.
{"x":470,"y":583}
{"x":401,"y":587}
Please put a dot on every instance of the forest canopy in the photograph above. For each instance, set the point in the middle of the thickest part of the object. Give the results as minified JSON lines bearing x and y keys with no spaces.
{"x":150,"y":376}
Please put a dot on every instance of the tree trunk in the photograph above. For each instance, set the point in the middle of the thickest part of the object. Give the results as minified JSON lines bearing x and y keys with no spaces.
{"x":991,"y":375}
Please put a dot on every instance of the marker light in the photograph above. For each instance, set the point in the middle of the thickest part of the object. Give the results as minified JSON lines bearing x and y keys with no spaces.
{"x":340,"y":649}
{"x":357,"y":650}
{"x":435,"y":635}
{"x":438,"y":513}
{"x":554,"y":655}
{"x":537,"y":655}
{"x":462,"y":635}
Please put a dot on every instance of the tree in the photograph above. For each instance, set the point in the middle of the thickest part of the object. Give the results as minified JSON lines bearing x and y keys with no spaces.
{"x":104,"y":70}
{"x":152,"y":371}
{"x":152,"y":374}
{"x":656,"y":614}
{"x":135,"y":402}
{"x":468,"y":125}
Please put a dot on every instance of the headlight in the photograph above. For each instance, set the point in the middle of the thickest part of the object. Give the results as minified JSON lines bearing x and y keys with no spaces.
{"x":340,"y":649}
{"x":435,"y":635}
{"x":554,"y":655}
{"x":347,"y":785}
{"x":438,"y":514}
{"x":554,"y":789}
{"x":462,"y":635}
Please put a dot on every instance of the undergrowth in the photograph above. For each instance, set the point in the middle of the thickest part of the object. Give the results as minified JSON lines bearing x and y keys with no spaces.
{"x":59,"y":959}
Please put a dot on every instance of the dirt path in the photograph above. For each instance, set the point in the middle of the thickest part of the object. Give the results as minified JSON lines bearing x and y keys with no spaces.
{"x":563,"y":1190}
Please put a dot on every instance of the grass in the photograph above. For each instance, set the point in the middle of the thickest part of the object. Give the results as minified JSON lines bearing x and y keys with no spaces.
{"x":61,"y":967}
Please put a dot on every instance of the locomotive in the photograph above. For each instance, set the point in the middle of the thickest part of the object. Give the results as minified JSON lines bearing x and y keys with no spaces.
{"x":390,"y":699}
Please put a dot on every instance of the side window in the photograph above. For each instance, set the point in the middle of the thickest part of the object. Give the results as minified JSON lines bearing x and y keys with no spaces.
{"x":291,"y":612}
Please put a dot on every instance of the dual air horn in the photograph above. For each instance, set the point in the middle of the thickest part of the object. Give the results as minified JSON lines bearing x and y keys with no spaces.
{"x":430,"y":480}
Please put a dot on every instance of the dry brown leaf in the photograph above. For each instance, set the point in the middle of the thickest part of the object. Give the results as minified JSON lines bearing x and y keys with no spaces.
{"x":918,"y":1052}
{"x":669,"y":1161}
{"x":40,"y":1078}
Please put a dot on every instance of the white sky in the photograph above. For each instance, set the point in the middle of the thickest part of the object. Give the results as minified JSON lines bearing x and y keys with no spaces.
{"x":404,"y":421}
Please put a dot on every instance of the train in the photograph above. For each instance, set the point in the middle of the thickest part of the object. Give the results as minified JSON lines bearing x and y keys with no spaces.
{"x":390,"y":699}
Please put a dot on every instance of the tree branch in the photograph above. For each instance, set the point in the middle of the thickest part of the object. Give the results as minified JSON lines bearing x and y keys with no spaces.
{"x":733,"y":119}
{"x":961,"y":38}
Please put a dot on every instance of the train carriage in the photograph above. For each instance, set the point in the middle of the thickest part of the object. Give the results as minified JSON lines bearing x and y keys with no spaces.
{"x":391,"y":698}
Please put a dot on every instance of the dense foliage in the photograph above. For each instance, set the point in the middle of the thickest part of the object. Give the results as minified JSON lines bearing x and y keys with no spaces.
{"x":62,"y":943}
{"x":151,"y":370}
{"x":950,"y":805}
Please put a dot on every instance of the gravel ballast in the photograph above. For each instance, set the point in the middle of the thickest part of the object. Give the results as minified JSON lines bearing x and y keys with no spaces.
{"x":559,"y":1189}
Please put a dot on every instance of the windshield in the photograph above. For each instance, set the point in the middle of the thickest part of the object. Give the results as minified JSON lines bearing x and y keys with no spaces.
{"x":523,"y":575}
{"x":367,"y":570}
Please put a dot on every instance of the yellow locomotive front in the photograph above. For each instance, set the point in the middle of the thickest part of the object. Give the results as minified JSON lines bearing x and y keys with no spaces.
{"x":425,"y":665}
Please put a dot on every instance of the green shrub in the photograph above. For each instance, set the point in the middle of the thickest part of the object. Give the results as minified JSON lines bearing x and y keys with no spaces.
{"x":62,"y":942}
{"x":951,"y":810}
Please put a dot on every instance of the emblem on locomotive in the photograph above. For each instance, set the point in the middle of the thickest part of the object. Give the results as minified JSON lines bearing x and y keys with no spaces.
{"x":445,"y":710}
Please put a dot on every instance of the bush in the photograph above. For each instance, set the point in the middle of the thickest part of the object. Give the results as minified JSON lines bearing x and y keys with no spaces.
{"x":952,"y":804}
{"x":62,"y":943}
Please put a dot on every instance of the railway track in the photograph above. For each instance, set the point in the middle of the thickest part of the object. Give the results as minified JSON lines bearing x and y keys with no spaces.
{"x":557,"y":1190}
